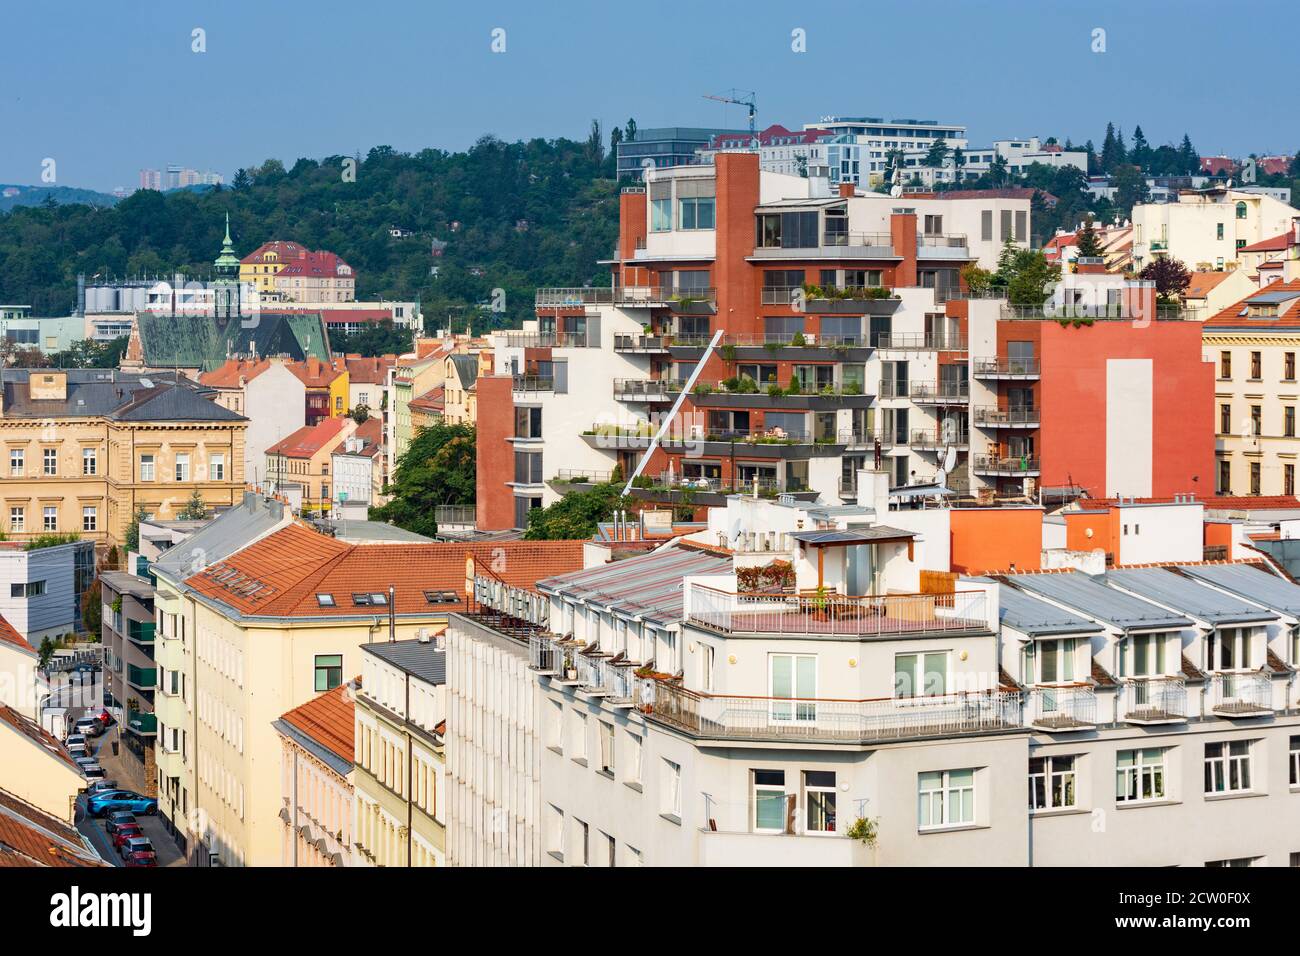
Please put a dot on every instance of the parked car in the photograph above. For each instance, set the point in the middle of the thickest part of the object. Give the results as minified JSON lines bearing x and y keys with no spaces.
{"x":100,"y":803}
{"x":118,"y":818}
{"x":125,"y":832}
{"x":93,"y":772}
{"x":75,"y":739}
{"x":105,"y":718}
{"x":78,"y":748}
{"x":84,"y":760}
{"x":89,"y":726}
{"x":139,"y":855}
{"x":101,"y":786}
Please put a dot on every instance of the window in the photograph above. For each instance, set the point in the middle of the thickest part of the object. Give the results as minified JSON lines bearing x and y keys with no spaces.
{"x":1148,"y":655}
{"x":606,"y":732}
{"x":579,"y":736}
{"x":1048,"y":662}
{"x":89,"y":518}
{"x":182,"y":467}
{"x":945,"y":798}
{"x":50,"y":518}
{"x":1288,"y":421}
{"x":1227,"y":767}
{"x":584,"y":842}
{"x":1225,"y":476}
{"x":1241,"y":210}
{"x":50,"y":457}
{"x":792,"y":676}
{"x":89,"y":461}
{"x":528,"y":422}
{"x":1051,"y":783}
{"x":1256,"y":365}
{"x":325,"y":600}
{"x":920,"y":675}
{"x":1288,"y":479}
{"x":371,"y":599}
{"x":329,"y":671}
{"x":441,"y":597}
{"x":1218,"y":230}
{"x":1295,"y":761}
{"x":29,"y":590}
{"x":634,"y":749}
{"x":217,"y":468}
{"x":146,"y":467}
{"x":661,"y":207}
{"x":17,"y":518}
{"x":672,"y":790}
{"x":1139,"y":775}
{"x":1228,"y":649}
{"x":611,"y":850}
{"x":1256,"y":419}
{"x":1225,"y":419}
{"x":528,"y":468}
{"x":986,"y":225}
{"x":696,"y":212}
{"x":1225,"y":365}
{"x":769,"y":801}
{"x":819,"y":800}
{"x":16,"y":462}
{"x":1288,"y":366}
{"x":707,"y":655}
{"x":933,"y":225}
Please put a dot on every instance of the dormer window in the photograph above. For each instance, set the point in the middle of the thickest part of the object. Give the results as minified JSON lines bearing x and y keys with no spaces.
{"x":441,"y":597}
{"x":325,"y":600}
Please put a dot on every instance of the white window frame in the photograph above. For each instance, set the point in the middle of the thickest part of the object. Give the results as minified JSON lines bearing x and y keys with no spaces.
{"x":781,"y":710}
{"x":919,"y":659}
{"x":89,"y":462}
{"x":18,"y":519}
{"x":89,"y":518}
{"x":217,"y":467}
{"x":146,"y":468}
{"x":708,"y":655}
{"x":942,"y":798}
{"x":636,"y":745}
{"x":1227,"y":767}
{"x":1148,"y":772}
{"x":762,"y":792}
{"x":814,"y":788}
{"x":672,"y":788}
{"x":17,"y":462}
{"x":1295,"y":760}
{"x":50,"y":518}
{"x":605,"y":733}
{"x":579,"y":735}
{"x":50,"y":462}
{"x":181,"y":467}
{"x":1053,"y":777}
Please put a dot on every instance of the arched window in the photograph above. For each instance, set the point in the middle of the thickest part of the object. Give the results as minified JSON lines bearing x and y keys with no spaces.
{"x":1241,"y":210}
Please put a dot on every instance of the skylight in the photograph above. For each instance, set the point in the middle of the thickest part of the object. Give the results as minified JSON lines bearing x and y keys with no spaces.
{"x":325,"y":600}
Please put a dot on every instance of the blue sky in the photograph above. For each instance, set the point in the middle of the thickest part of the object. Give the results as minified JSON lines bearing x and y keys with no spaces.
{"x":108,"y":88}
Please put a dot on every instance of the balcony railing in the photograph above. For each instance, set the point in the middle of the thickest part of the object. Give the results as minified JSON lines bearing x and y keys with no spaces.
{"x":836,"y":614}
{"x":645,"y":390}
{"x":1002,"y":367}
{"x":533,"y":383}
{"x":603,"y":295}
{"x":1152,"y":700}
{"x":142,"y":632}
{"x":582,"y":476}
{"x":996,"y":417}
{"x":819,"y":719}
{"x":141,"y":724}
{"x":641,"y":343}
{"x":145,"y":678}
{"x":944,"y":240}
{"x":920,"y":341}
{"x":869,"y":239}
{"x":930,"y":440}
{"x":454,"y":515}
{"x":558,"y":340}
{"x":1241,"y":695}
{"x":941,"y":393}
{"x":1061,"y":708}
{"x":993,"y":465}
{"x":1101,"y":312}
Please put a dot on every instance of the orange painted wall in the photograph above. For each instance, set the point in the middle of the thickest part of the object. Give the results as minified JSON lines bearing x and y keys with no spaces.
{"x":494,"y":453}
{"x":1218,"y":533}
{"x":1103,"y":526}
{"x":994,"y":539}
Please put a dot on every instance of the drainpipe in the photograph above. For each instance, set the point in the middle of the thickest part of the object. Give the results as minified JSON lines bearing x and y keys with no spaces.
{"x":410,"y":777}
{"x":392,"y":617}
{"x":293,"y":815}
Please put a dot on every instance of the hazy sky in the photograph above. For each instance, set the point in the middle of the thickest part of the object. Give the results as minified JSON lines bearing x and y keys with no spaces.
{"x":106,"y":88}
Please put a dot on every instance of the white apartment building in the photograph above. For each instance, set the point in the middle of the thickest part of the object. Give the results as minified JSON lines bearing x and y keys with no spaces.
{"x":1019,"y":155}
{"x":860,"y":150}
{"x":678,"y":716}
{"x":1206,"y":229}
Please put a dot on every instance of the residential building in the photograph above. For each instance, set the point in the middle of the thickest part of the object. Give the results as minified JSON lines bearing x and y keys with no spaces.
{"x":21,"y":683}
{"x":316,"y":748}
{"x":42,"y":583}
{"x":357,"y":466}
{"x":299,"y":466}
{"x":32,"y":837}
{"x":793,"y":152}
{"x":129,"y":632}
{"x":460,"y":396}
{"x":326,"y":384}
{"x":1253,"y":346}
{"x":38,"y":769}
{"x":288,"y":271}
{"x":1207,"y":229}
{"x":269,"y":395}
{"x":972,"y":162}
{"x":401,"y":713}
{"x":1209,"y":293}
{"x":1276,"y":259}
{"x":726,"y":706}
{"x":47,"y":334}
{"x":264,"y":629}
{"x":428,"y":409}
{"x":661,"y":148}
{"x":87,"y":448}
{"x":367,"y":380}
{"x":411,"y":376}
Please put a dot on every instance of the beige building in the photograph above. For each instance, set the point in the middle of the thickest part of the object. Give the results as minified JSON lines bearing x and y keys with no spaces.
{"x":300,"y":465}
{"x":85,"y":448}
{"x":36,"y":768}
{"x":400,"y":721}
{"x":1208,"y":228}
{"x":316,"y":769}
{"x":1254,"y":345}
{"x":460,"y":398}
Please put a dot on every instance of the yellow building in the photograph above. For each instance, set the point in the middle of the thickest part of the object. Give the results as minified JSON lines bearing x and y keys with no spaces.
{"x":316,"y":769}
{"x":38,"y":769}
{"x":326,"y":385}
{"x":84,"y":449}
{"x":260,"y":267}
{"x":460,"y":399}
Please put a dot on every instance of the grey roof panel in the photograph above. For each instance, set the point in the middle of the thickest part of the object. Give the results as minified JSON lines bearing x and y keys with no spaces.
{"x":221,"y":537}
{"x":1252,"y":583}
{"x":1185,"y":594}
{"x":1034,"y":617}
{"x":421,"y":659}
{"x":851,"y":536}
{"x":1089,"y":596}
{"x":649,"y":585}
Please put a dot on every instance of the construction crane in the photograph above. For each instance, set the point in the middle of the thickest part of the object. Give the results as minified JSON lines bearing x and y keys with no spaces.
{"x":734,"y":97}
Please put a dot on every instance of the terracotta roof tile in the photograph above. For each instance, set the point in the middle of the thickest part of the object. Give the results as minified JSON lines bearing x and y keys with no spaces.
{"x":328,"y":719}
{"x":9,"y":635}
{"x":369,"y":371}
{"x":314,"y":373}
{"x":1275,"y":244}
{"x":310,"y":439}
{"x":1289,"y":317}
{"x":35,"y":733}
{"x":1100,"y":676}
{"x":30,"y":837}
{"x":232,"y":370}
{"x":280,"y":575}
{"x":1203,"y":283}
{"x":434,"y":400}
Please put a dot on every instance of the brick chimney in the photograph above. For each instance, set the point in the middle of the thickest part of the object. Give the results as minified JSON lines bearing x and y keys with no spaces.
{"x":902,"y":233}
{"x":847,"y":190}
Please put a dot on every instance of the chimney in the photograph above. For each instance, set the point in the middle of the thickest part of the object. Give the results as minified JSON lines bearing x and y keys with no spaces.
{"x":847,"y":190}
{"x":902,"y":232}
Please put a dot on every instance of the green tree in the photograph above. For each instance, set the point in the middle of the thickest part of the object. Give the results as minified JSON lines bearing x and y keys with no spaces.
{"x":132,"y":541}
{"x":937,"y":154}
{"x":195,"y":509}
{"x":381,"y":338}
{"x":437,"y":468}
{"x":45,"y":652}
{"x":92,"y":609}
{"x":360,"y":414}
{"x":1087,"y":241}
{"x":576,"y":515}
{"x":1130,"y":189}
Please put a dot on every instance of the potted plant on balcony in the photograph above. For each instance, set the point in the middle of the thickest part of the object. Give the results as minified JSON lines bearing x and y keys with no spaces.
{"x":866,"y":830}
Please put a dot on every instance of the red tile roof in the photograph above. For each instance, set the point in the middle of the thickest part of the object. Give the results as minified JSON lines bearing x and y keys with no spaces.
{"x":8,"y":635}
{"x":310,"y":439}
{"x":1212,"y":502}
{"x":31,"y":837}
{"x":314,"y":373}
{"x":316,"y":265}
{"x":280,"y":575}
{"x":1289,"y":317}
{"x":434,"y":400}
{"x":1276,"y":244}
{"x":328,"y":719}
{"x":231,"y":371}
{"x":284,"y":250}
{"x":371,"y":433}
{"x":1202,"y":283}
{"x":36,"y":734}
{"x":368,"y":371}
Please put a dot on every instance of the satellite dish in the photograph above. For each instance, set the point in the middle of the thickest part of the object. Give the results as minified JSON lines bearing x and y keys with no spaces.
{"x":895,"y":190}
{"x":949,"y":460}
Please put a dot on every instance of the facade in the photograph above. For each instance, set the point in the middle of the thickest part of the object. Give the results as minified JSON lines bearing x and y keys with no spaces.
{"x":327,"y":387}
{"x":288,"y":271}
{"x":300,"y":464}
{"x":269,"y":395}
{"x":1207,"y":229}
{"x":39,"y":771}
{"x":21,"y":685}
{"x":357,"y":466}
{"x":661,"y":148}
{"x":87,"y":448}
{"x":41,"y":589}
{"x":1047,"y":719}
{"x":47,"y":334}
{"x":317,"y":772}
{"x":400,"y":722}
{"x":128,"y":633}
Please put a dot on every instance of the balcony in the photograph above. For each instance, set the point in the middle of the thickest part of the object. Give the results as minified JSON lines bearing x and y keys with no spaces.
{"x":1241,"y":695}
{"x":782,"y":718}
{"x":593,"y":674}
{"x":771,"y":444}
{"x":838,"y":245}
{"x":142,"y":632}
{"x":551,"y":339}
{"x":990,"y":416}
{"x":1153,"y":700}
{"x":450,"y":516}
{"x":645,"y":390}
{"x":1017,"y":369}
{"x":141,"y":724}
{"x":942,"y":393}
{"x":1061,"y":709}
{"x":834,"y":614}
{"x":923,"y":439}
{"x":941,"y":240}
{"x":920,"y":342}
{"x":1023,"y":467}
{"x":642,"y":344}
{"x":533,"y":383}
{"x":577,"y":298}
{"x":145,"y":678}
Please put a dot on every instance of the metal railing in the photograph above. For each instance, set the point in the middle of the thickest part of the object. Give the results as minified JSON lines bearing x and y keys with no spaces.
{"x":1144,"y":699}
{"x":1101,"y":312}
{"x":533,"y":383}
{"x":558,"y":340}
{"x":1242,"y":693}
{"x":1061,"y":708}
{"x":992,"y":464}
{"x":582,"y":475}
{"x":641,"y":343}
{"x":920,"y":341}
{"x":992,"y":415}
{"x":836,"y":614}
{"x":823,"y":719}
{"x":945,"y":240}
{"x":930,"y":440}
{"x":603,"y":295}
{"x":1019,"y":367}
{"x":941,"y":392}
{"x":643,"y":389}
{"x":454,"y":514}
{"x":870,"y":239}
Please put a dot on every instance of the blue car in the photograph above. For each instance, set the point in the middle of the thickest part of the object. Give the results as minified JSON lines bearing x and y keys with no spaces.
{"x":109,"y":801}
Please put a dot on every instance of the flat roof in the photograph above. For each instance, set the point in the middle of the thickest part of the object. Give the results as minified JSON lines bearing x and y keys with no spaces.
{"x":1174,"y":590}
{"x":1251,"y":582}
{"x":852,"y":536}
{"x":422,"y":659}
{"x":1089,"y":596}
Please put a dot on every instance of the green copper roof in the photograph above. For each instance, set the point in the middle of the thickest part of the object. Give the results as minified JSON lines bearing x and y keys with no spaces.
{"x":189,"y":342}
{"x":227,"y":260}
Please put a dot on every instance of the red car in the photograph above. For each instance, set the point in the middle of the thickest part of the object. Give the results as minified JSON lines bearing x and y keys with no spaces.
{"x":139,"y":853}
{"x":124,"y":833}
{"x":105,"y":718}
